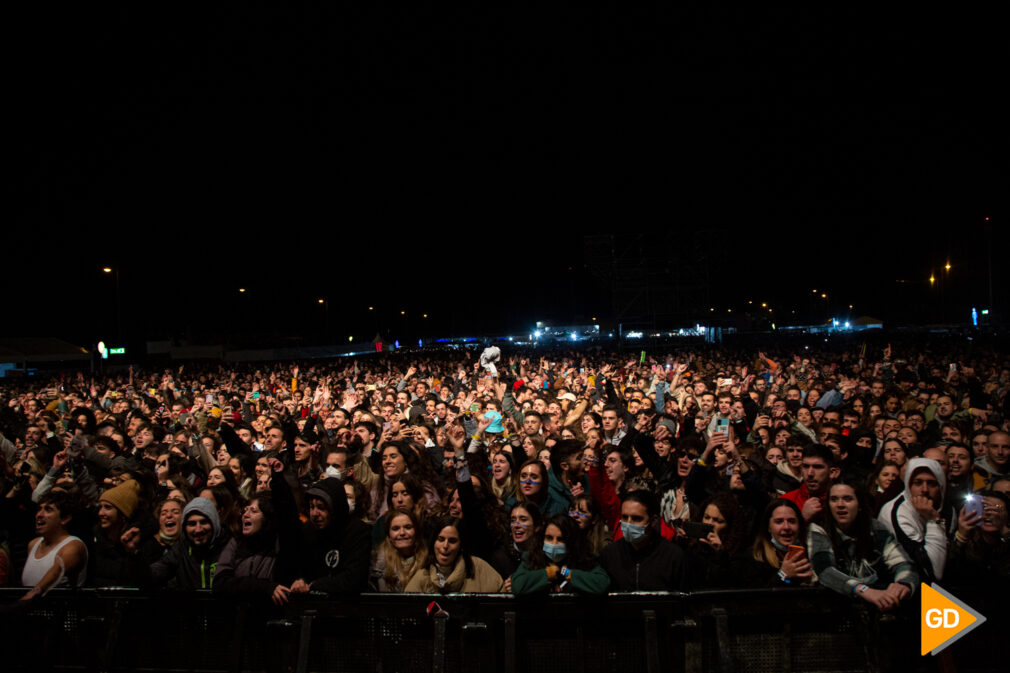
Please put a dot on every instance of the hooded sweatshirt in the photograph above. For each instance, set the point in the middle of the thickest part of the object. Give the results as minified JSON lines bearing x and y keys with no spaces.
{"x":929,"y":534}
{"x":186,"y":566}
{"x":336,"y":559}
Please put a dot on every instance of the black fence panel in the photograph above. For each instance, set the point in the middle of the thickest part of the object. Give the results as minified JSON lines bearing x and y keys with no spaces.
{"x":756,"y":631}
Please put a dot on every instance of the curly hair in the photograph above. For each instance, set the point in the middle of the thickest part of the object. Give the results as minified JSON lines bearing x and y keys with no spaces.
{"x":733,"y":535}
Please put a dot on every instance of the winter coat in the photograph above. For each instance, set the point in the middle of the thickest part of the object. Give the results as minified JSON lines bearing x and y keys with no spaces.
{"x":485,"y":579}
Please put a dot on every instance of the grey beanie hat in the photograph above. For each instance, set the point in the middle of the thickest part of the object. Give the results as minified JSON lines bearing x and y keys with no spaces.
{"x":204,"y":506}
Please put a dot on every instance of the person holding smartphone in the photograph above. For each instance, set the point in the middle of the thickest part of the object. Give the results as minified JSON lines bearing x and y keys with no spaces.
{"x":980,"y":551}
{"x":778,"y":556}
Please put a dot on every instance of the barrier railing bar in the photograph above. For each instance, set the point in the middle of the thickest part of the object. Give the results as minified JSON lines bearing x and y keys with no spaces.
{"x":304,"y":641}
{"x":510,"y":642}
{"x":651,"y":642}
{"x":438,"y":649}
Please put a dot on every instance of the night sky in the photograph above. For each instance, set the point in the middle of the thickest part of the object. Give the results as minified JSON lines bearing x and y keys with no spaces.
{"x":451,"y":164}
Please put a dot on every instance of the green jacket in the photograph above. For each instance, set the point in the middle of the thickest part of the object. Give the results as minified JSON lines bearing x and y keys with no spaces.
{"x":527,"y":581}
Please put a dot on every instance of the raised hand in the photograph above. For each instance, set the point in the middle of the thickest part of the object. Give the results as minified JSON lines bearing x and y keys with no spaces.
{"x":131,"y":539}
{"x":457,"y":437}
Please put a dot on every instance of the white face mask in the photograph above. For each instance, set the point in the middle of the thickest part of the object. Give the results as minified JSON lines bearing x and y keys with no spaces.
{"x":334,"y":472}
{"x":350,"y":506}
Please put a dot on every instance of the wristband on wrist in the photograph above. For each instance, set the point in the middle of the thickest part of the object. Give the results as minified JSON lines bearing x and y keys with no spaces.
{"x":783,"y":576}
{"x":565,"y":572}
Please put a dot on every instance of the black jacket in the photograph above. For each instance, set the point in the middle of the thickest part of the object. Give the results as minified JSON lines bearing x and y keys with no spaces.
{"x":334,"y":560}
{"x":658,"y":566}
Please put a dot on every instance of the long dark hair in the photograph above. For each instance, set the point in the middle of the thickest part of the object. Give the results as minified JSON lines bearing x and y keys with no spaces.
{"x":414,"y":487}
{"x":577,"y":554}
{"x":763,"y":549}
{"x":862,"y":526}
{"x":541,"y":495}
{"x":535,"y":514}
{"x":733,"y":535}
{"x":436,"y":527}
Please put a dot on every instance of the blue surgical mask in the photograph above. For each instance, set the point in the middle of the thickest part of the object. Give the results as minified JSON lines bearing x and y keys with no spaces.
{"x":555,"y":552}
{"x":633,"y":532}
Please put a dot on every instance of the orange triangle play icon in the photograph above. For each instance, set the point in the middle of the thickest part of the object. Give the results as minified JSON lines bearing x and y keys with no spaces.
{"x":944,"y":619}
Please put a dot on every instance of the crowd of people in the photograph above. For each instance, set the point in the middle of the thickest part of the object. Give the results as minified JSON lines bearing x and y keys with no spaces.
{"x":861,"y":469}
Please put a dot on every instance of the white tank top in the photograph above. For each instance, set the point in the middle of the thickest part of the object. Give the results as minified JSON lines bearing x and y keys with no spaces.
{"x":36,"y":568}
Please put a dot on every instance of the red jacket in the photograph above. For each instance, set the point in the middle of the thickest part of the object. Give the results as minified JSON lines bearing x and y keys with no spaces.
{"x":801,"y":495}
{"x":610,"y":504}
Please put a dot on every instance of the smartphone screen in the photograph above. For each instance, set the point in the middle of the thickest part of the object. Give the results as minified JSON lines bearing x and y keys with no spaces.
{"x":696,"y":530}
{"x":973,"y":503}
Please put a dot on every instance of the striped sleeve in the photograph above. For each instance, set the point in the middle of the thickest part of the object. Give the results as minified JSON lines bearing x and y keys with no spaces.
{"x":822,"y":557}
{"x":894,"y":558}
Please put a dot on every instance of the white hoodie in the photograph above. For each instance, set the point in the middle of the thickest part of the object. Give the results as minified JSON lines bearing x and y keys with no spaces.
{"x":911,"y":521}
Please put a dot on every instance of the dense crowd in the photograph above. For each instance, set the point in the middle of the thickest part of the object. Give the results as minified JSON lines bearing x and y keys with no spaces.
{"x":524,"y":472}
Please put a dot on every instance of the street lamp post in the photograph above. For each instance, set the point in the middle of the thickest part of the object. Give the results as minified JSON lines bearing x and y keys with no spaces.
{"x":119,"y":307}
{"x":326,"y":318}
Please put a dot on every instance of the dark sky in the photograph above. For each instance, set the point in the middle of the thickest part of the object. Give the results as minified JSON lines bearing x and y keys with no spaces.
{"x":420,"y":160}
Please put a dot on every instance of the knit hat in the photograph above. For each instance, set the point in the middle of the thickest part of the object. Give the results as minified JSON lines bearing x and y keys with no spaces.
{"x":496,"y":426}
{"x":204,"y":506}
{"x":123,"y":497}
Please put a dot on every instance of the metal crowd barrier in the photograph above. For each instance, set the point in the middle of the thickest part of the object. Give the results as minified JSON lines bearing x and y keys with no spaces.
{"x":773,"y":630}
